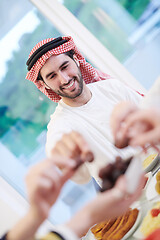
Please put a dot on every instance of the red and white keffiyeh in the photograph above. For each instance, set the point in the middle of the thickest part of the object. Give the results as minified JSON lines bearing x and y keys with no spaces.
{"x":89,"y":73}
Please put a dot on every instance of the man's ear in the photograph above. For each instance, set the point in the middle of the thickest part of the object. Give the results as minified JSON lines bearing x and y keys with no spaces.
{"x":47,"y":87}
{"x":76,"y":60}
{"x":43,"y":86}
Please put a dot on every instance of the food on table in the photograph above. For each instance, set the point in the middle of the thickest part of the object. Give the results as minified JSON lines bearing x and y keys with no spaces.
{"x":154,"y":235}
{"x":158,"y":176}
{"x":148,"y":160}
{"x":115,"y":229}
{"x":112,"y":171}
{"x":151,"y":220}
{"x":146,"y":180}
{"x":155,"y":212}
{"x":100,"y":229}
{"x":157,"y":186}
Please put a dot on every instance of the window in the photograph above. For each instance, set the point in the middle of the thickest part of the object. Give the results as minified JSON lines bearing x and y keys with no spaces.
{"x":25,"y":111}
{"x":130,"y":30}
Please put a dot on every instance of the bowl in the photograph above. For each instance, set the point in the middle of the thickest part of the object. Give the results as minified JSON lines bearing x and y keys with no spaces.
{"x":150,"y":161}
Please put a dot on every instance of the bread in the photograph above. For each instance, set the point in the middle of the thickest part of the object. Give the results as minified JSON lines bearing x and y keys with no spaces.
{"x":126,"y":224}
{"x":100,"y":229}
{"x":115,"y":229}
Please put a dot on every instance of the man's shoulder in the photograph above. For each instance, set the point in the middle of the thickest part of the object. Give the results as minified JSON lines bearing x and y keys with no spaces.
{"x":59,"y":119}
{"x":107,"y":85}
{"x":59,"y":111}
{"x":106,"y":82}
{"x":56,"y":115}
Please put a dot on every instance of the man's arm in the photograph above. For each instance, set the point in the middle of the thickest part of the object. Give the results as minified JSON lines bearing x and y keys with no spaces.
{"x":44,"y":183}
{"x":140,"y":125}
{"x":106,"y":205}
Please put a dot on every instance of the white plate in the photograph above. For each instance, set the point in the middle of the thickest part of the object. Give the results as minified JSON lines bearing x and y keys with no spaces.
{"x":152,"y":164}
{"x":135,"y":226}
{"x":138,"y":234}
{"x":90,"y":235}
{"x":149,"y":176}
{"x":151,"y":191}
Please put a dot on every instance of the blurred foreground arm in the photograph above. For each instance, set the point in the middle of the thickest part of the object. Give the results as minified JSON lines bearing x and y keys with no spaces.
{"x":44,"y":183}
{"x":143,"y":127}
{"x":106,"y":205}
{"x":117,"y":121}
{"x":138,"y":128}
{"x":45,"y":180}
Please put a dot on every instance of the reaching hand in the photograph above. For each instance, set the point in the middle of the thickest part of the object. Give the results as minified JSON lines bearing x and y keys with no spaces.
{"x":117,"y":122}
{"x":143,"y":127}
{"x":44,"y":182}
{"x":106,"y":205}
{"x":115,"y":202}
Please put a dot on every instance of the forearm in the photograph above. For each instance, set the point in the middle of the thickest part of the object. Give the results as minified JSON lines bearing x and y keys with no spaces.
{"x":80,"y":223}
{"x":107,"y":205}
{"x":26,"y":228}
{"x":90,"y":215}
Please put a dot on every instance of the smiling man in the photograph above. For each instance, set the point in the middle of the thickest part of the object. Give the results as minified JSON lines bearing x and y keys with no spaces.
{"x":60,"y":71}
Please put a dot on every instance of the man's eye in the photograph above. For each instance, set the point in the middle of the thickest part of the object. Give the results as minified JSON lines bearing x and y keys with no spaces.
{"x":52,"y":76}
{"x":64,"y":67}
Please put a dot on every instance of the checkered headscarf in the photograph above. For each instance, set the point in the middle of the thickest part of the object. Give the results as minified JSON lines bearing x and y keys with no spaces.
{"x":89,"y":74}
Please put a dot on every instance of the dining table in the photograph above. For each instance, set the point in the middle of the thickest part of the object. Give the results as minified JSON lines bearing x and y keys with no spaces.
{"x":147,"y":202}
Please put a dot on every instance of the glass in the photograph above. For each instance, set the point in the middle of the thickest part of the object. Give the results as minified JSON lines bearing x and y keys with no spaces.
{"x":24,"y":110}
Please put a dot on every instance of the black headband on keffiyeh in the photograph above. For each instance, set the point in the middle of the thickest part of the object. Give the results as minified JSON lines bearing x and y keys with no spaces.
{"x":43,"y":49}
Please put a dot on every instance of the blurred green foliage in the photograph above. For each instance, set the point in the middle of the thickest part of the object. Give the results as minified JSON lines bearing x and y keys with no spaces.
{"x":134,"y":7}
{"x":24,"y":110}
{"x":93,"y":14}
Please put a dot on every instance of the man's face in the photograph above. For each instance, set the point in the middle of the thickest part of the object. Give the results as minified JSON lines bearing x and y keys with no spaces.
{"x":62,"y":74}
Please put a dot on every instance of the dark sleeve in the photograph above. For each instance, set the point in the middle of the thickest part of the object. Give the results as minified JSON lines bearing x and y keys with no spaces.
{"x":49,"y":236}
{"x":4,"y":237}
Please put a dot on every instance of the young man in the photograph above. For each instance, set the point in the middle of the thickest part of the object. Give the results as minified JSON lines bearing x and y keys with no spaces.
{"x":60,"y":71}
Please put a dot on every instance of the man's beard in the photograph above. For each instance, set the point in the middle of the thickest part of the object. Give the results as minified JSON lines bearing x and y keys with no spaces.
{"x":79,"y":79}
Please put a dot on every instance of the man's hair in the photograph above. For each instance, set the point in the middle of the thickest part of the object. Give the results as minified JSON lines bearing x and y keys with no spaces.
{"x":69,"y":53}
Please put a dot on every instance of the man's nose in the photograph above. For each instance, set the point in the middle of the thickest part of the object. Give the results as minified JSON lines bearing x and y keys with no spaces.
{"x":64,"y":78}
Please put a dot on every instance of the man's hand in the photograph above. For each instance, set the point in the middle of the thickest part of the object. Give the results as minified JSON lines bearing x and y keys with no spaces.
{"x":135,"y":126}
{"x":44,"y":182}
{"x":117,"y":122}
{"x":73,"y":146}
{"x":143,"y":127}
{"x":107,"y":205}
{"x":115,"y":202}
